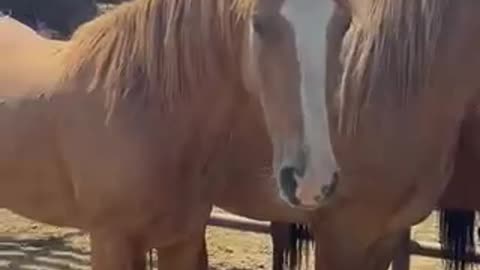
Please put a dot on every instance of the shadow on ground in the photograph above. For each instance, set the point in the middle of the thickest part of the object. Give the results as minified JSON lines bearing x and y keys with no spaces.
{"x":51,"y":253}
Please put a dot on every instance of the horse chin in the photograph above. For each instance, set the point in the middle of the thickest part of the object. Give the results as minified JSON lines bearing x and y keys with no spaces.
{"x":293,"y":202}
{"x":308,"y":207}
{"x":316,"y":206}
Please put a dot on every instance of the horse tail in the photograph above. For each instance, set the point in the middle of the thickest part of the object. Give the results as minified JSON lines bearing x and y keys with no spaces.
{"x":457,"y":237}
{"x":300,"y":243}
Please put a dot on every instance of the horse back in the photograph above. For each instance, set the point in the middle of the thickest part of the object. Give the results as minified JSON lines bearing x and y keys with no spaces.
{"x":28,"y":64}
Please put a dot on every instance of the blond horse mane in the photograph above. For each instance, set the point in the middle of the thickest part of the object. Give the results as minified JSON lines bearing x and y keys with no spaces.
{"x":164,"y":48}
{"x":390,"y":56}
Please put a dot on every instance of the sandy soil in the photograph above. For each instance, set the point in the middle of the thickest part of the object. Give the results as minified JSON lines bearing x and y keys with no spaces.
{"x":28,"y":245}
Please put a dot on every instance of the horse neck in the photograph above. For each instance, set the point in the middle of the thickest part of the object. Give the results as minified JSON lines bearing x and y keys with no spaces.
{"x":248,"y":151}
{"x":243,"y":182}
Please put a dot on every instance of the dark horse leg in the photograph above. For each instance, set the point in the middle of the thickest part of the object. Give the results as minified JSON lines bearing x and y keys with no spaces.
{"x":457,"y":230}
{"x":280,"y":240}
{"x":290,"y":243}
{"x":460,"y":199}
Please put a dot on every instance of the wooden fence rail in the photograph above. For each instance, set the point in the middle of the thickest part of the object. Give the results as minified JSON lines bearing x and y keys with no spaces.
{"x":401,"y":262}
{"x":238,"y":223}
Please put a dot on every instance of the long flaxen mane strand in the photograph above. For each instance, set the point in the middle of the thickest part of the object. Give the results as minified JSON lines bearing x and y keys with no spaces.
{"x":166,"y":48}
{"x":389,"y":57}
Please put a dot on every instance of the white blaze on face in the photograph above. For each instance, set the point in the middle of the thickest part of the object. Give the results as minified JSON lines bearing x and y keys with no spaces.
{"x":309,"y":19}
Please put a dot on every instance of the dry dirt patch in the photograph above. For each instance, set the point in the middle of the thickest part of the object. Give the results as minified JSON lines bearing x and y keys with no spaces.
{"x":27,"y":245}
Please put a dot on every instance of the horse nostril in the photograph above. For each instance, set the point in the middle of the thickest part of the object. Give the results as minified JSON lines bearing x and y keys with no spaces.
{"x":328,"y":190}
{"x":287,"y":181}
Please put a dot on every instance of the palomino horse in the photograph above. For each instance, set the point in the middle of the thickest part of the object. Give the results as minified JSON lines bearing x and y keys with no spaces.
{"x":402,"y":78}
{"x":118,"y":131}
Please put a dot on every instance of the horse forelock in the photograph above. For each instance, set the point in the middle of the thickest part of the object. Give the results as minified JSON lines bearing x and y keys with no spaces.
{"x":165,"y":48}
{"x":389,"y":56}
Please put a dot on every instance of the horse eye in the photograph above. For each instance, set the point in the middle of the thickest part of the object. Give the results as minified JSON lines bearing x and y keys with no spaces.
{"x":258,"y":26}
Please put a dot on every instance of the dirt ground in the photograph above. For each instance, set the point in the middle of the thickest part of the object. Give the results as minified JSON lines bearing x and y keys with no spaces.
{"x":27,"y":245}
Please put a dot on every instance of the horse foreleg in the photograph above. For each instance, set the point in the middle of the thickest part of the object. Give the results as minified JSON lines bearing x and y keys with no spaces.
{"x":190,"y":254}
{"x":112,"y":252}
{"x":279,"y":233}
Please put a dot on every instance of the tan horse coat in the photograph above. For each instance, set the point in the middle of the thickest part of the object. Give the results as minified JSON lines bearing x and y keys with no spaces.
{"x":120,"y":130}
{"x":26,"y":57}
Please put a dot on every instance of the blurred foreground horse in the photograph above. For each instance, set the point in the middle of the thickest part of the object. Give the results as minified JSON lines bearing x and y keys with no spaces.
{"x":404,"y":110}
{"x":403,"y":98}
